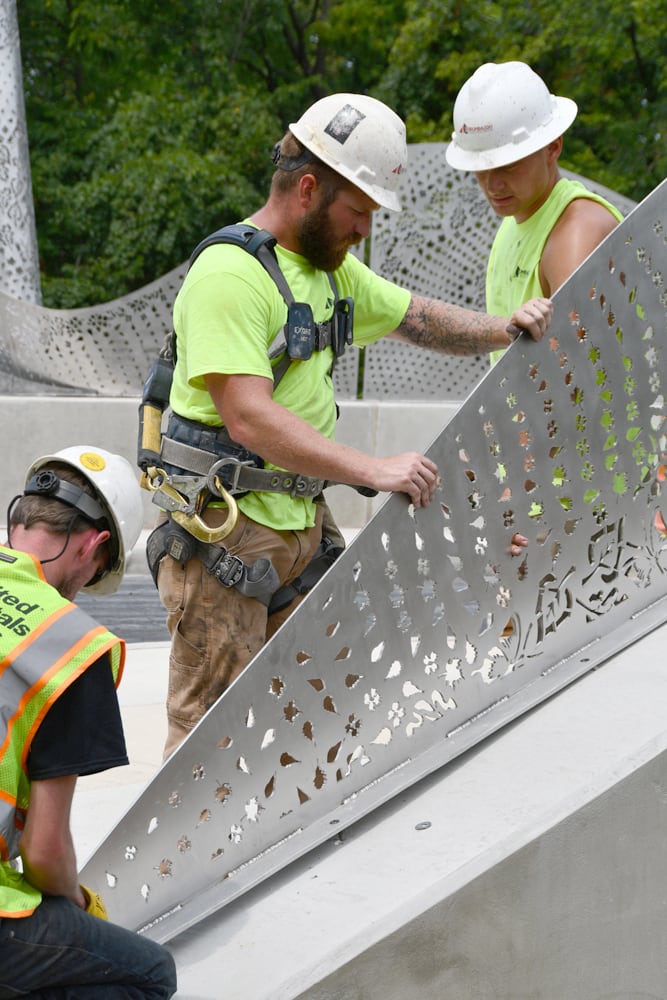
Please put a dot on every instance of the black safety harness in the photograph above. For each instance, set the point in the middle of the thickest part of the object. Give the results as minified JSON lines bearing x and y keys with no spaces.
{"x":186,"y":476}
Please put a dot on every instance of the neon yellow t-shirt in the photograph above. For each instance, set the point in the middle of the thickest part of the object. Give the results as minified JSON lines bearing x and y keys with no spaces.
{"x":512,"y":272}
{"x":226,"y":316}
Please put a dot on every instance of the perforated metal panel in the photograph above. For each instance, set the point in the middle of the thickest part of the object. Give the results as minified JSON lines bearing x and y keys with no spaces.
{"x":427,"y":635}
{"x":19,"y":264}
{"x":437,"y":246}
{"x":104,"y":350}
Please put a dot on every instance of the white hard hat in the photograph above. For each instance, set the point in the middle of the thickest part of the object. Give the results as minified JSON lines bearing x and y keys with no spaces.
{"x":503,"y":113}
{"x":360,"y":138}
{"x":117,"y":500}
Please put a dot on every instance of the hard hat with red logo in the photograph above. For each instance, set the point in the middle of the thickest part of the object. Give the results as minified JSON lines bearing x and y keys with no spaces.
{"x":503,"y":113}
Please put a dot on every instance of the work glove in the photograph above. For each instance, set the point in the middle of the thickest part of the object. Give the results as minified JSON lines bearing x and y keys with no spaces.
{"x":94,"y":903}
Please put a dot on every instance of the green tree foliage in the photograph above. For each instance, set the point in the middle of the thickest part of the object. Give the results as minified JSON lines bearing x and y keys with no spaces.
{"x":152,"y":123}
{"x":152,"y":176}
{"x":610,"y":56}
{"x":139,"y":141}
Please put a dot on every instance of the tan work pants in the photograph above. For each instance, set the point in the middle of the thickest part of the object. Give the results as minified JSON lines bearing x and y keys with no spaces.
{"x":215,"y":630}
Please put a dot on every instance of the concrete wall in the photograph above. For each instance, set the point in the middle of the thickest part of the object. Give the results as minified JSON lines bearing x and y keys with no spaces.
{"x":577,"y":914}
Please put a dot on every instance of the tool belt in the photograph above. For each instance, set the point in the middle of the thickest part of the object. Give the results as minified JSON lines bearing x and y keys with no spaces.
{"x":200,"y":450}
{"x":205,"y":461}
{"x":198,"y":465}
{"x":238,"y":476}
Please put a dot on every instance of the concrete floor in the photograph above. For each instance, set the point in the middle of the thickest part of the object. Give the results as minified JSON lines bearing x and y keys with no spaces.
{"x":134,"y":613}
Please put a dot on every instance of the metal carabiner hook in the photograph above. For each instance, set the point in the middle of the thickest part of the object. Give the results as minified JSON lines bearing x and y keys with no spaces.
{"x":184,"y":511}
{"x":198,"y":527}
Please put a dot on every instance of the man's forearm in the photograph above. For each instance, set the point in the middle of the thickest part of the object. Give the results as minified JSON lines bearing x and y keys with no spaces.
{"x":59,"y":879}
{"x":46,"y":845}
{"x":255,"y":420}
{"x":442,"y":326}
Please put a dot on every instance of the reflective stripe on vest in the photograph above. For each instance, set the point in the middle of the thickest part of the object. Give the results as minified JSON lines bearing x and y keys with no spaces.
{"x":46,"y":642}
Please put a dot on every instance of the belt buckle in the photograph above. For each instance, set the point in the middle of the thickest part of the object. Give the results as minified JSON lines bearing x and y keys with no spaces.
{"x":229,"y":570}
{"x":237,"y":467}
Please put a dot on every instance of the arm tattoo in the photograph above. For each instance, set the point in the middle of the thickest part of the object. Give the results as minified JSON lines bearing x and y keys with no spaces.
{"x":442,"y":326}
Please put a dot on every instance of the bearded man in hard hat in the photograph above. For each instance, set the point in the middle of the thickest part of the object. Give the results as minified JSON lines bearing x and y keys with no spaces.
{"x":269,"y":437}
{"x":73,"y":527}
{"x":508,"y":129}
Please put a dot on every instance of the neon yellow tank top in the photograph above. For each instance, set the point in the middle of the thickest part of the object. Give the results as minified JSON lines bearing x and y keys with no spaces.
{"x":512,"y":273}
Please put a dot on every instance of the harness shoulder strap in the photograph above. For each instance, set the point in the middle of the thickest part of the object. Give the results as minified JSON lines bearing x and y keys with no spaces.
{"x":260,"y":243}
{"x":257,"y":242}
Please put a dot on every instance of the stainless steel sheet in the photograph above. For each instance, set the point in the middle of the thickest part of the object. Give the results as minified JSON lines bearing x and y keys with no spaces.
{"x":427,"y":635}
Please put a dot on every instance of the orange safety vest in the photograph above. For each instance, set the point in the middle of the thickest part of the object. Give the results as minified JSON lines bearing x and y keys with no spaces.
{"x":46,"y":642}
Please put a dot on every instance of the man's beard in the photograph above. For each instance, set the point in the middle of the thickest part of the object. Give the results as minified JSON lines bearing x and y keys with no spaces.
{"x":318,"y":243}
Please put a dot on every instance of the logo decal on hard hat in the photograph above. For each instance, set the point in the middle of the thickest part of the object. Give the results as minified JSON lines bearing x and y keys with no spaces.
{"x":469,"y":129}
{"x":343,"y":124}
{"x":91,"y":460}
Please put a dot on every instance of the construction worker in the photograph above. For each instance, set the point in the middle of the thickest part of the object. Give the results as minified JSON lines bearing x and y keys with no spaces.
{"x":235,"y":419}
{"x":508,"y":129}
{"x":73,"y":527}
